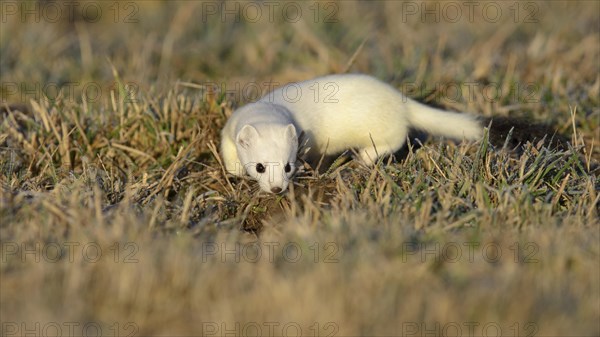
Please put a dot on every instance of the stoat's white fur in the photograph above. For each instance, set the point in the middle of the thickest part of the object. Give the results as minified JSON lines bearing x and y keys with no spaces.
{"x":336,"y":113}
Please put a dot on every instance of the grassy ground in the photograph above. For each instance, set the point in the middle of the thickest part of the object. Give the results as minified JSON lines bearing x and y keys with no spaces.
{"x":117,"y":218}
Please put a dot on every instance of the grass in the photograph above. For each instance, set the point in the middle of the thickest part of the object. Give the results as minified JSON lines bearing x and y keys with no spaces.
{"x":117,"y":217}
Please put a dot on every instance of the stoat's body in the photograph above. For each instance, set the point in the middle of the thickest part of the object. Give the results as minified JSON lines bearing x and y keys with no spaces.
{"x":336,"y":113}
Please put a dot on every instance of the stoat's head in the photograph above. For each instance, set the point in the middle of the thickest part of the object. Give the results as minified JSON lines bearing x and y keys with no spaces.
{"x":268,"y":154}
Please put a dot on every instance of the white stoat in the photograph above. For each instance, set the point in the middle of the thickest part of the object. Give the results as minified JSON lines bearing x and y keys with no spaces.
{"x":336,"y":113}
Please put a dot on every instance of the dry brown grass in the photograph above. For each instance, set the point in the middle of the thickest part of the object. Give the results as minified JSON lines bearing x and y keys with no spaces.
{"x":184,"y":251}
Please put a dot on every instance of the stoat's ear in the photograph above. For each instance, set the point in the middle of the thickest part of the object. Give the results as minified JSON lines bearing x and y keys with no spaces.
{"x":290,"y":133}
{"x":247,"y":136}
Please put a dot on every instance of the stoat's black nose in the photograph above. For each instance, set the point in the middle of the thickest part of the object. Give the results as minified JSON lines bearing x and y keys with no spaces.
{"x":275,"y":189}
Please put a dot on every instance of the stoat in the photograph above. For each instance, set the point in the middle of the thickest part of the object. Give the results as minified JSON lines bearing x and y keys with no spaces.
{"x":359,"y":112}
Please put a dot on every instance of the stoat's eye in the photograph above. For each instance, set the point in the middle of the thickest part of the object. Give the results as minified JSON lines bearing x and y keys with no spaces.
{"x":260,"y":168}
{"x":288,"y":168}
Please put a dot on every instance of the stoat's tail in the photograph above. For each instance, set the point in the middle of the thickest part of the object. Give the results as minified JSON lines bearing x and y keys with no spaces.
{"x":443,"y":123}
